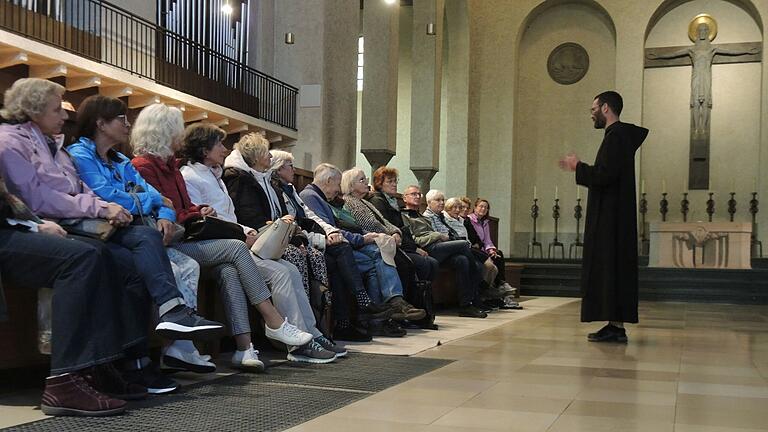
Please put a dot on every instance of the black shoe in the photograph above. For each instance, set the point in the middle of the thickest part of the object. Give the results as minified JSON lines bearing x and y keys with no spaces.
{"x":471,"y":312}
{"x":609,"y":333}
{"x":351,"y":334}
{"x":152,"y":379}
{"x":482,"y":307}
{"x":108,"y":380}
{"x":385,"y":328}
{"x":182,"y":322}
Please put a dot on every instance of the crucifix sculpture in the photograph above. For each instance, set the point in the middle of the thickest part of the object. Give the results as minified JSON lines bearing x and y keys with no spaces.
{"x":701,"y":56}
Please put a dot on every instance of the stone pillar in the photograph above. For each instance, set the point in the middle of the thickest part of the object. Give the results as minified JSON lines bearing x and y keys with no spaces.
{"x":426,"y":86}
{"x":381,"y":27}
{"x":424,"y":175}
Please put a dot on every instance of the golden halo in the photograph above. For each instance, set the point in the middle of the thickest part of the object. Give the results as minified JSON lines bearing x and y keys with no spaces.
{"x":702,"y":19}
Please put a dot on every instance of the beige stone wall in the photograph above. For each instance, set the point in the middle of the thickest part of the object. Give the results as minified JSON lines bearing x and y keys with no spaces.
{"x":503,"y":122}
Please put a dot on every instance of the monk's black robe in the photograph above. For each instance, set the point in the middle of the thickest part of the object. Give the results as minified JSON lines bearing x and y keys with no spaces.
{"x":609,"y":266}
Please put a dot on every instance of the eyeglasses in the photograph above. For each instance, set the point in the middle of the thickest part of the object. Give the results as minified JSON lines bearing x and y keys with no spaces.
{"x":123,"y":118}
{"x":363,"y":180}
{"x":414,"y":194}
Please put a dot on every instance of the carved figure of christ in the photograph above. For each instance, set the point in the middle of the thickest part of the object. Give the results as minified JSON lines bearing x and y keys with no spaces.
{"x":701,"y":55}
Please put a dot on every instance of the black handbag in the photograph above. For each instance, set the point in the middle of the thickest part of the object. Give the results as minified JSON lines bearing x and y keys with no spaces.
{"x":421,"y":297}
{"x":212,"y":228}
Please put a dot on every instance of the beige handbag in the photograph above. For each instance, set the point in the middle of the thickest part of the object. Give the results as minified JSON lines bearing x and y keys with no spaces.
{"x":273,"y":240}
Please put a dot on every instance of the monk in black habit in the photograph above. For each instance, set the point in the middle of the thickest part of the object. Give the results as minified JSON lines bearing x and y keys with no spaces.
{"x":609,"y":265}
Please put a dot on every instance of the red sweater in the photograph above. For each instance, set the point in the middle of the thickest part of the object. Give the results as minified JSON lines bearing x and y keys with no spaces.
{"x":166,"y":178}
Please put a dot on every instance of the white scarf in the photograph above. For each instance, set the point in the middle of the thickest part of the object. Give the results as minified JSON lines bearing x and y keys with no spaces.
{"x":235,"y":160}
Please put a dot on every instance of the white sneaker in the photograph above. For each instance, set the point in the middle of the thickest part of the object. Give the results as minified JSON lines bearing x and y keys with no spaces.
{"x":177,"y":359}
{"x":248,"y":360}
{"x":288,"y":334}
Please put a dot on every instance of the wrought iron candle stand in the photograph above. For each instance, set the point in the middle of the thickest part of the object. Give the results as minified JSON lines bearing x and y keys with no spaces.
{"x":755,"y":243}
{"x":732,"y":206}
{"x":555,"y":243}
{"x":710,"y":206}
{"x":685,"y":206}
{"x":535,"y":243}
{"x":577,"y":246}
{"x":663,"y":207}
{"x":644,"y":241}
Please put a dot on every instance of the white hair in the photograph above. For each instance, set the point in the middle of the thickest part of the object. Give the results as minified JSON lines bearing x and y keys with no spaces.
{"x":453,"y":202}
{"x":280,"y":158}
{"x":155,"y":129}
{"x":324,"y":173}
{"x":434,"y":194}
{"x":252,"y":147}
{"x":28,"y":97}
{"x":349,"y":178}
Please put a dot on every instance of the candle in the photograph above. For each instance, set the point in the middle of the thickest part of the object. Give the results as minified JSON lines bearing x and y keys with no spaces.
{"x":555,"y":192}
{"x":754,"y":184}
{"x":733,"y":185}
{"x":664,"y":186}
{"x":578,"y":192}
{"x":642,"y":186}
{"x":534,"y":191}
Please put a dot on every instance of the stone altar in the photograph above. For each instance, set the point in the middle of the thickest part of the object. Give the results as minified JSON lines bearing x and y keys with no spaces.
{"x":700,"y":245}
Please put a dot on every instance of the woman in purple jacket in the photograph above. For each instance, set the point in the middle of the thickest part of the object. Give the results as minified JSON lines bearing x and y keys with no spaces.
{"x":478,"y":222}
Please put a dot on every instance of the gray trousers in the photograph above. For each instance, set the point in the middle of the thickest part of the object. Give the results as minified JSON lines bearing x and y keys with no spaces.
{"x":240,"y":279}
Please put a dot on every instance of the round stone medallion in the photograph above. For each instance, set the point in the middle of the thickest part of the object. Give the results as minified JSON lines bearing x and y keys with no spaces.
{"x":568,"y":63}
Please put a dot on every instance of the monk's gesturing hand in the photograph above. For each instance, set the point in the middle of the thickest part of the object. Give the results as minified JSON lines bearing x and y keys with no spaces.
{"x":569,"y":162}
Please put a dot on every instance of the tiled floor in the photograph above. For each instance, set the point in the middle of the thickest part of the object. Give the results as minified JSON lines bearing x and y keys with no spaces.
{"x":687,"y":368}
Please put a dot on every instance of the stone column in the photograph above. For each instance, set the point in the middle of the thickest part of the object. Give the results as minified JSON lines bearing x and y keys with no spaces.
{"x":381,"y":27}
{"x":426,"y":89}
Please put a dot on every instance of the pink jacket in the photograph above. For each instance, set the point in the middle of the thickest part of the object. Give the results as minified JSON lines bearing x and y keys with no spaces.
{"x":483,"y":231}
{"x":48,"y":184}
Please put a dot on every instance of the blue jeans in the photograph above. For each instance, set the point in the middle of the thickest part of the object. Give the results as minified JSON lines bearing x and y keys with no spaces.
{"x":382,"y":280}
{"x":152,"y":264}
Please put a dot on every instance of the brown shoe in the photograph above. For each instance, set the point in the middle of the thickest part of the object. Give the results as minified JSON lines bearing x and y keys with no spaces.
{"x":106,"y":379}
{"x":402,"y":310}
{"x":72,"y":395}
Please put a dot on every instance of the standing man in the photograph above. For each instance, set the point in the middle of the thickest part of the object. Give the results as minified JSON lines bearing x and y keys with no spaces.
{"x":609,"y":267}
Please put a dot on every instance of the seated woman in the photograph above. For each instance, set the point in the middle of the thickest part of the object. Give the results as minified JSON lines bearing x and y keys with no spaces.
{"x":384,"y":199}
{"x":37,"y":170}
{"x":87,"y":337}
{"x":344,"y":277}
{"x":111,"y":175}
{"x":248,"y":176}
{"x":455,"y":253}
{"x":479,"y":231}
{"x":354,"y":186}
{"x":452,"y":219}
{"x":205,"y":152}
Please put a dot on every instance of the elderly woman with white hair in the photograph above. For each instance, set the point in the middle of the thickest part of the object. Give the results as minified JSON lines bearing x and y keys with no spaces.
{"x":248,"y":176}
{"x":354,"y":186}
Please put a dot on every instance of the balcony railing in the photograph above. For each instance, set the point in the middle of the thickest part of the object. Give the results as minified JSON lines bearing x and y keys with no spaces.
{"x":111,"y":35}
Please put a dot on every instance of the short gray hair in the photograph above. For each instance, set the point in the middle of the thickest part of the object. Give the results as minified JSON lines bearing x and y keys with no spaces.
{"x":325,"y":172}
{"x":433,"y":194}
{"x":155,"y":129}
{"x":28,"y":97}
{"x":252,"y":147}
{"x":280,"y":158}
{"x":349,"y":178}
